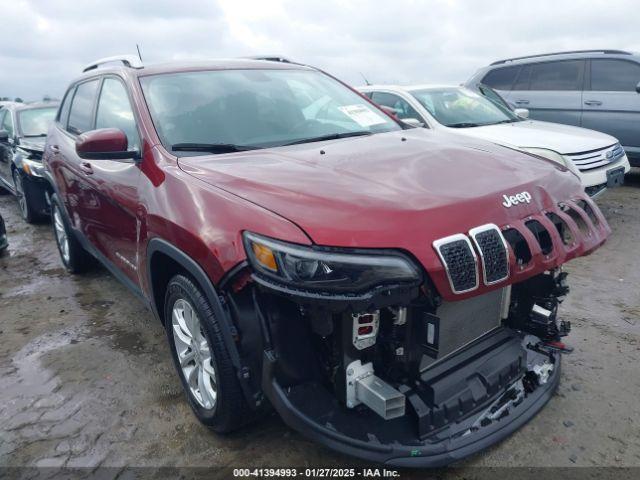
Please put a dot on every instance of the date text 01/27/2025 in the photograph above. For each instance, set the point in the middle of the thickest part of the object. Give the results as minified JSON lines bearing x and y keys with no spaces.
{"x":316,"y":473}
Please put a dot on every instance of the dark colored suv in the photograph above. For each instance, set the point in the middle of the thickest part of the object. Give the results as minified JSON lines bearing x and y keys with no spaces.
{"x":308,"y":253}
{"x":595,"y":89}
{"x":23,"y":128}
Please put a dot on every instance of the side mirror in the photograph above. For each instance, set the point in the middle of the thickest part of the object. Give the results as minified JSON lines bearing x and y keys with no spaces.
{"x":4,"y":136}
{"x":104,"y":144}
{"x":414,"y":122}
{"x":521,"y":112}
{"x":638,"y":87}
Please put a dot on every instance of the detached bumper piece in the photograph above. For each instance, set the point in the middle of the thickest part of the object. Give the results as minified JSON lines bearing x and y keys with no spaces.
{"x":458,"y":407}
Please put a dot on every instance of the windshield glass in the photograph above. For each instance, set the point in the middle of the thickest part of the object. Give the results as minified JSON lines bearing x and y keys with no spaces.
{"x":35,"y":122}
{"x":256,"y":109}
{"x":459,"y":107}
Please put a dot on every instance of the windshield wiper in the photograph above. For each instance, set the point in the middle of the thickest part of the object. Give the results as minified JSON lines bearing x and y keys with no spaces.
{"x":463,"y":125}
{"x":35,"y":135}
{"x":211,"y":147}
{"x":510,"y":120}
{"x":331,"y":136}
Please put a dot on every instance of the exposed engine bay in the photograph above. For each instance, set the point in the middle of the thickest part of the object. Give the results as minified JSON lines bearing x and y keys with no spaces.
{"x":407,"y":372}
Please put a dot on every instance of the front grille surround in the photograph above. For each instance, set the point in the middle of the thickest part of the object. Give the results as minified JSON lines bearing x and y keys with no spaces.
{"x":459,"y":259}
{"x":494,"y":254}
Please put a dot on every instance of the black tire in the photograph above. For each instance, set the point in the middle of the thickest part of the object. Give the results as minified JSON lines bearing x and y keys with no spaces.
{"x":25,"y":201}
{"x":77,"y":260}
{"x":230,"y":410}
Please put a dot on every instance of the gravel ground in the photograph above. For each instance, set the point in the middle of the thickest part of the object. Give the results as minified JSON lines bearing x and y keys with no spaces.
{"x":86,"y":379}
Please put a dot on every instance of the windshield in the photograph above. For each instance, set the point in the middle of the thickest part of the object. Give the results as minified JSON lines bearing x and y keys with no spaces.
{"x":459,"y":107}
{"x":197,"y":111}
{"x":35,"y":122}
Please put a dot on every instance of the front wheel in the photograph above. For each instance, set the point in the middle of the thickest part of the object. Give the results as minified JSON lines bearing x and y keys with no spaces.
{"x":202,"y":359}
{"x":27,"y":211}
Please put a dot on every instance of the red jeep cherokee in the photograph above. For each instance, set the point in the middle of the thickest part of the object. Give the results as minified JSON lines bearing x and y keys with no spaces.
{"x":391,"y":292}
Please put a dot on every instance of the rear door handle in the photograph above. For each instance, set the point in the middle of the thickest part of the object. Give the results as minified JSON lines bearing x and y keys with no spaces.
{"x":522,"y":102}
{"x":86,"y":168}
{"x":593,"y":103}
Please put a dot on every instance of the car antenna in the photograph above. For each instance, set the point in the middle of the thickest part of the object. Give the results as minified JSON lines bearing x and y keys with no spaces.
{"x":139,"y":56}
{"x":365,"y":79}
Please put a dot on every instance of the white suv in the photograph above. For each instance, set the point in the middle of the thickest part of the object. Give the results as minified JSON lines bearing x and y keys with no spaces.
{"x":597,"y":158}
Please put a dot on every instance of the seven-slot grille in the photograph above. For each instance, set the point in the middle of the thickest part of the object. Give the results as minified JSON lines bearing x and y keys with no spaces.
{"x":596,"y":158}
{"x":460,"y":262}
{"x":493,"y":252}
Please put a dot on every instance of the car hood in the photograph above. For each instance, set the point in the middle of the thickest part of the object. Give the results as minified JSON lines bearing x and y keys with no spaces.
{"x":565,"y":139}
{"x":399,"y":190}
{"x":34,"y":144}
{"x":372,"y":189}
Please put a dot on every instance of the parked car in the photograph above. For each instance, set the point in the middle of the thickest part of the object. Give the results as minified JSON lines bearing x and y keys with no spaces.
{"x":23,"y":128}
{"x":3,"y":236}
{"x":597,"y":158}
{"x":391,"y":292}
{"x":595,"y":89}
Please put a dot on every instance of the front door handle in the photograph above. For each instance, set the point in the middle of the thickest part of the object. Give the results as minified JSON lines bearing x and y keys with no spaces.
{"x":522,"y":102}
{"x":86,"y":168}
{"x":55,"y":149}
{"x":593,"y":103}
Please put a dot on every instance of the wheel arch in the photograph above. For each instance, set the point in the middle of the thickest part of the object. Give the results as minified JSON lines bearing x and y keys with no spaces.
{"x":177,"y":261}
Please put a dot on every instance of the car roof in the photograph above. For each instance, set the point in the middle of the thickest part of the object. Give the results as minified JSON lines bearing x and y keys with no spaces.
{"x":32,"y":105}
{"x":570,"y":55}
{"x":192,"y":66}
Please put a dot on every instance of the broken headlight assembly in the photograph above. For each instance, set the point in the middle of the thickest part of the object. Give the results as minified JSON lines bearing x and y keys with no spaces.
{"x":327,"y":270}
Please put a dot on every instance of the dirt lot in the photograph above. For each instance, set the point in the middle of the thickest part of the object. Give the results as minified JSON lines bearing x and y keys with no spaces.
{"x":86,"y":378}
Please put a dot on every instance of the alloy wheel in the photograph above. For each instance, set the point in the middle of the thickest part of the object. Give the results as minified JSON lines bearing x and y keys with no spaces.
{"x":194,"y":354}
{"x":61,"y":234}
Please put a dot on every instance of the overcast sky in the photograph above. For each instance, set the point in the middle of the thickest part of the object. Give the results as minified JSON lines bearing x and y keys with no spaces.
{"x":45,"y":43}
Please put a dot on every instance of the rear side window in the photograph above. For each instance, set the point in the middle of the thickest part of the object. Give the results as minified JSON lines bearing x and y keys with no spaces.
{"x":614,"y":75}
{"x":81,"y":113}
{"x":63,"y":114}
{"x":114,"y":111}
{"x":522,"y":80}
{"x":563,"y":75}
{"x":501,"y":78}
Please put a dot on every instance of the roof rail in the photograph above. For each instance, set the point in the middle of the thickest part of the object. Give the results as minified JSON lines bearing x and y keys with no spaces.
{"x":130,"y":61}
{"x":604,"y":51}
{"x":270,"y":58}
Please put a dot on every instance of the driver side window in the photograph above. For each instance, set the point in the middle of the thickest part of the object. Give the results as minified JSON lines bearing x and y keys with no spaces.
{"x":114,"y":111}
{"x":399,"y":105}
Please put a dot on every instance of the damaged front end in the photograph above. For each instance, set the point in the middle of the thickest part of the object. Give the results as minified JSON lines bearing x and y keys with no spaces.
{"x":359,"y":350}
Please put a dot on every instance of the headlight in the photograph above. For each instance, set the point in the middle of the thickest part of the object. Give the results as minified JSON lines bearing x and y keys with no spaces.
{"x":554,"y":157}
{"x":317,"y":269}
{"x":548,"y":154}
{"x":31,"y":163}
{"x":33,"y":167}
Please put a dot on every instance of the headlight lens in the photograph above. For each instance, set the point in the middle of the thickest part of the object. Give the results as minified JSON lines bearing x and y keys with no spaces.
{"x":323,"y":270}
{"x":33,"y":167}
{"x":554,"y":157}
{"x":548,"y":154}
